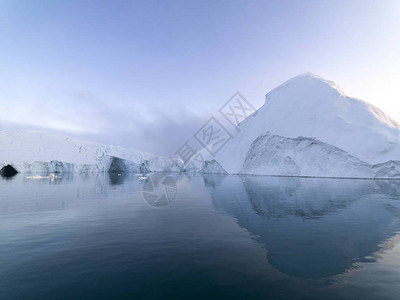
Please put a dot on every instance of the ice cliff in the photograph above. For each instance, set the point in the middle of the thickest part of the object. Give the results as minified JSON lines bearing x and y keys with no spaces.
{"x":41,"y":152}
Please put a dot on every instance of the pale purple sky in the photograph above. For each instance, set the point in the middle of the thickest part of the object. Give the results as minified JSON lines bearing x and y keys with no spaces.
{"x":147,"y":74}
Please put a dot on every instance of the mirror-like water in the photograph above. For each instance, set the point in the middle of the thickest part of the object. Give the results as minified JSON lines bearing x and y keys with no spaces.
{"x":174,"y":236}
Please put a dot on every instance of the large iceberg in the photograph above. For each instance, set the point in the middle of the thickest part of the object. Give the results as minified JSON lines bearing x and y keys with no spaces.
{"x":309,"y":127}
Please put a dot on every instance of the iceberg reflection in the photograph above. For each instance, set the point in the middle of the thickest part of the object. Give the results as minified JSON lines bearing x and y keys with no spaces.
{"x":312,"y":227}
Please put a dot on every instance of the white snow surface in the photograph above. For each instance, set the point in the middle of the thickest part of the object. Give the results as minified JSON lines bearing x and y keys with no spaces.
{"x":309,"y":106}
{"x":32,"y":151}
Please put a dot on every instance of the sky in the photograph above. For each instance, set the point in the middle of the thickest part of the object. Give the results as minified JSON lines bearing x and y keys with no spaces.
{"x":148,"y":74}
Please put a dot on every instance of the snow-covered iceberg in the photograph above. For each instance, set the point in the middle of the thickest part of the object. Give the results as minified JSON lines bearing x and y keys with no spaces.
{"x":308,"y":126}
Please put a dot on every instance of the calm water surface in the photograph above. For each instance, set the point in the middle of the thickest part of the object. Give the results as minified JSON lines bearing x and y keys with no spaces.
{"x":110,"y":237}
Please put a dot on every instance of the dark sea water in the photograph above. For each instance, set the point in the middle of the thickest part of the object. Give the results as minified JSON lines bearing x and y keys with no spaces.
{"x":179,"y":237}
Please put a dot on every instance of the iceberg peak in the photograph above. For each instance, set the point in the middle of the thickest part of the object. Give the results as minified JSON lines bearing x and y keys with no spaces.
{"x":307,"y":83}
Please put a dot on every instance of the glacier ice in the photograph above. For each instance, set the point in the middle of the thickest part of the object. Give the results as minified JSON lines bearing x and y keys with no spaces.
{"x":276,"y":155}
{"x":41,"y":152}
{"x":212,"y":167}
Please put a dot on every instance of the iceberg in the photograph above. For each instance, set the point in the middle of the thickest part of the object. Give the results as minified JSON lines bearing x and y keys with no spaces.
{"x":212,"y":167}
{"x":309,"y":127}
{"x":42,"y":152}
